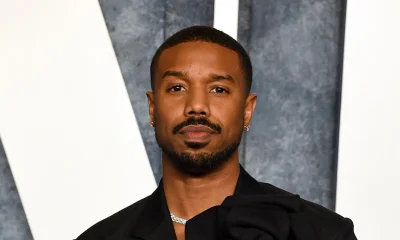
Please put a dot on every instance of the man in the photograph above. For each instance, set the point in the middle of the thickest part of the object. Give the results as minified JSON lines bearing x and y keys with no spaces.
{"x":199,"y":105}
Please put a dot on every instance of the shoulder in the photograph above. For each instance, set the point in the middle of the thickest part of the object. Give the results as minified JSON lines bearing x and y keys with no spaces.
{"x":329,"y":223}
{"x":113,"y":223}
{"x":326,"y":223}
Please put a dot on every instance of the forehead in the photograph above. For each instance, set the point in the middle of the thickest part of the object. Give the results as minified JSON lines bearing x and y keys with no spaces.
{"x":200,"y":57}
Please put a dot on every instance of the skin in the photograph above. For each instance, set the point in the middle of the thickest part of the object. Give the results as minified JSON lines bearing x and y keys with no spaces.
{"x":205,"y":80}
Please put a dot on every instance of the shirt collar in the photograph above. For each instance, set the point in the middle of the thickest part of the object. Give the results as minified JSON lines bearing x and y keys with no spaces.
{"x":155,"y":222}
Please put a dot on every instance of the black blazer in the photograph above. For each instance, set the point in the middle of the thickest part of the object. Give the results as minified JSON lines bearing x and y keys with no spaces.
{"x":255,"y":211}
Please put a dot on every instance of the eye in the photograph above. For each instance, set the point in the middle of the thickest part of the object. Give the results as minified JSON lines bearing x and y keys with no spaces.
{"x":176,"y":88}
{"x":219,"y":90}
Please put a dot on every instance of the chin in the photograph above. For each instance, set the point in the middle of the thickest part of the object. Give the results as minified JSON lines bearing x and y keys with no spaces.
{"x":196,"y":145}
{"x":198,"y":162}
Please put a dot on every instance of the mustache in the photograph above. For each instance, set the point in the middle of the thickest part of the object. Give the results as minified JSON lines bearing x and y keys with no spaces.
{"x":197,"y":121}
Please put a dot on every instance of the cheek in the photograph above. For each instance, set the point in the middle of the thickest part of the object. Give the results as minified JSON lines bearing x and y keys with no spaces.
{"x":167,"y":112}
{"x":230,"y":115}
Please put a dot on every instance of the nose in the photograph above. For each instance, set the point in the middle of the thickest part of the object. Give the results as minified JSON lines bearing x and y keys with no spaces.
{"x":197,"y":103}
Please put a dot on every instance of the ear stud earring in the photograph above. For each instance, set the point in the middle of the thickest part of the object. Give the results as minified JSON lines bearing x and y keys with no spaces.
{"x":246,"y":128}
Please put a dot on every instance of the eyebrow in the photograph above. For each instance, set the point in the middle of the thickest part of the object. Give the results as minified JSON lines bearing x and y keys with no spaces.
{"x":184,"y":75}
{"x":217,"y":77}
{"x":178,"y":74}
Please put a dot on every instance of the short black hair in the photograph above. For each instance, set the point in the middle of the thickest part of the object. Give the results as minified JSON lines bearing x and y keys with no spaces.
{"x":205,"y":34}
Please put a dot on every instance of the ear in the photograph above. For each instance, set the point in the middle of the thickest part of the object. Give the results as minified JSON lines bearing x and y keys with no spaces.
{"x":150,"y":101}
{"x":251,"y":102}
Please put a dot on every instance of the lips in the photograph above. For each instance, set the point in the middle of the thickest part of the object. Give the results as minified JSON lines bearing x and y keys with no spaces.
{"x":196,"y":133}
{"x":198,"y":128}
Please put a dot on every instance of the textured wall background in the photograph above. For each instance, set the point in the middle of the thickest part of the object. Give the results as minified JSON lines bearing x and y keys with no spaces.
{"x":13,"y":223}
{"x":295,"y":47}
{"x":296,"y":54}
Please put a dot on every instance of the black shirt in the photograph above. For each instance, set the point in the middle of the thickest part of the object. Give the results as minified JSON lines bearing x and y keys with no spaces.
{"x":255,"y":211}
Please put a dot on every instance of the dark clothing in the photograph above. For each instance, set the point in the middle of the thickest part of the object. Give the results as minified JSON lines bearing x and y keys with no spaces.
{"x":255,"y":211}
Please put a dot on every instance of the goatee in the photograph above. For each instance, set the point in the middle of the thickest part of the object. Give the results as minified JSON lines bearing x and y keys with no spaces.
{"x":197,"y":164}
{"x":200,"y":163}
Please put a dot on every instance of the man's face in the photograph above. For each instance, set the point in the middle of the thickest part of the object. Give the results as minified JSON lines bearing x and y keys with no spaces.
{"x":199,"y":105}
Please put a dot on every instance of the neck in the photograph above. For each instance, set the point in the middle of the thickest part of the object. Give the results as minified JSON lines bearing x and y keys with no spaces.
{"x":188,"y":195}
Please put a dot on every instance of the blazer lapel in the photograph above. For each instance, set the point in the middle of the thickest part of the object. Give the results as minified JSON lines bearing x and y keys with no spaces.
{"x":154,"y":223}
{"x":247,"y":185}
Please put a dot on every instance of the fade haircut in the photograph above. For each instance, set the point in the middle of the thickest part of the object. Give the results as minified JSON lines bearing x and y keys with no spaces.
{"x":205,"y":34}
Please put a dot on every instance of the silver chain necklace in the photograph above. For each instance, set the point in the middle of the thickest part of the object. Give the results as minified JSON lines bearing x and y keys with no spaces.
{"x":178,"y":219}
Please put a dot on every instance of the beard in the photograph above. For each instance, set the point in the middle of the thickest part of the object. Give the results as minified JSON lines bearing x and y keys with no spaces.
{"x":200,"y":163}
